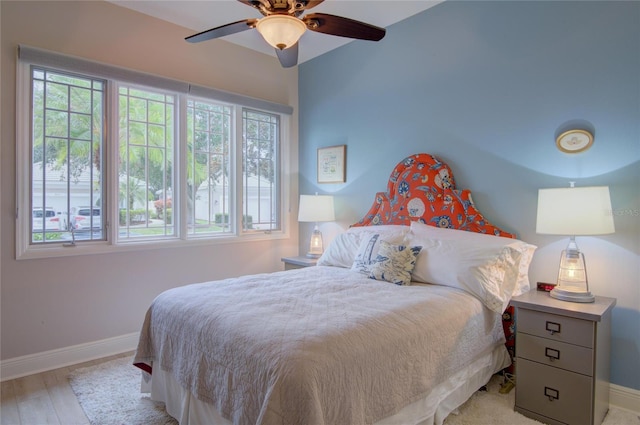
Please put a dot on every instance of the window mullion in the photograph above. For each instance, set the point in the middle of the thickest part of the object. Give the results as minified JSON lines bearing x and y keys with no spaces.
{"x":111,"y":152}
{"x":24,"y":153}
{"x":119,"y":137}
{"x":237,"y":159}
{"x":181,"y":198}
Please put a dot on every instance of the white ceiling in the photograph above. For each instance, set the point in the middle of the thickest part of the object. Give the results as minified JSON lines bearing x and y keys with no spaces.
{"x":201,"y":15}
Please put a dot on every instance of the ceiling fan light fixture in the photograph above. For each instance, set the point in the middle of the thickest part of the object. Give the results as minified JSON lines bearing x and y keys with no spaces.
{"x":281,"y":31}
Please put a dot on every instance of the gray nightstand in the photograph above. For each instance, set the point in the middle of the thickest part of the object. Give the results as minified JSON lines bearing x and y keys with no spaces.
{"x":562,"y":359}
{"x":298,"y":262}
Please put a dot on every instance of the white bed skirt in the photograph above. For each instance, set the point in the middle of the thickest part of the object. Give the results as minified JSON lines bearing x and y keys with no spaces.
{"x":433,"y":409}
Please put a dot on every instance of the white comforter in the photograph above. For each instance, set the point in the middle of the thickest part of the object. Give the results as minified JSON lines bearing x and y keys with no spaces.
{"x":320,"y":345}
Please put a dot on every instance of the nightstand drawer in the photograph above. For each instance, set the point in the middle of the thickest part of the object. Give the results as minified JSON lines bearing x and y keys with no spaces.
{"x":556,"y":327}
{"x":555,"y":353}
{"x":559,"y":394}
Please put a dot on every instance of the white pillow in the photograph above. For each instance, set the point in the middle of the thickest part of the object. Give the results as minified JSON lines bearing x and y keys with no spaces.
{"x":368,"y":250}
{"x":341,"y":251}
{"x":523,"y":285}
{"x":492,"y":268}
{"x":387,"y":231}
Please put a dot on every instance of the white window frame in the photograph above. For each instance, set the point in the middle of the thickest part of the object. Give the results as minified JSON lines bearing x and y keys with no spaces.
{"x":112,"y":160}
{"x":25,"y":250}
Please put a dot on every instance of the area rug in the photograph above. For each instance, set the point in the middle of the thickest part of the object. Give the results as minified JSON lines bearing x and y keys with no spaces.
{"x":109,"y":394}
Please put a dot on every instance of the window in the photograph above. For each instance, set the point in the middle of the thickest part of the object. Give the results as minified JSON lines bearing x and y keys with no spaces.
{"x":66,"y":153}
{"x":260,"y":164}
{"x":146,"y":132}
{"x":114,"y":157}
{"x":209,"y":136}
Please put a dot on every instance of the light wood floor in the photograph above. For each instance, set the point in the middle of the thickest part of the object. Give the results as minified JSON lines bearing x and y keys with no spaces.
{"x":45,"y":398}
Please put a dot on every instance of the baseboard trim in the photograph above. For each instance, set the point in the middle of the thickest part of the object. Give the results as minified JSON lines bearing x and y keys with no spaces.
{"x":18,"y":367}
{"x":624,"y":398}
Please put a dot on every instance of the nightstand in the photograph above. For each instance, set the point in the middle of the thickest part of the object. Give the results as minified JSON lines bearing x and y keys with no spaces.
{"x":562,"y":359}
{"x":298,"y":262}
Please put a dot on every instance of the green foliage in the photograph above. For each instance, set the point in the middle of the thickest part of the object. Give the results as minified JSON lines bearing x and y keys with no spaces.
{"x":260,"y":144}
{"x":132,"y":191}
{"x":136,"y":216}
{"x":68,"y":134}
{"x":146,"y":137}
{"x":67,"y":126}
{"x":247,"y":220}
{"x":49,"y":236}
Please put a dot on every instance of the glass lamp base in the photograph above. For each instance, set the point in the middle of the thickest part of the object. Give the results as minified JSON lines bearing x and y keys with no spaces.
{"x":573,"y":296}
{"x":315,"y":245}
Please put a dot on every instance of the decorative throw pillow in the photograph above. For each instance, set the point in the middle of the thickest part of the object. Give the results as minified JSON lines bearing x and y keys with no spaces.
{"x":367,"y":253}
{"x":394,"y":263}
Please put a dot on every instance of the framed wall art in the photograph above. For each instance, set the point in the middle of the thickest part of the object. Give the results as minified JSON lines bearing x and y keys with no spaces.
{"x":332,"y":166}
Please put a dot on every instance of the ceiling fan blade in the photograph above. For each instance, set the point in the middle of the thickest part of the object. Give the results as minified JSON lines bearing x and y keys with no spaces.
{"x":264,"y":6}
{"x":251,"y":3}
{"x":223,"y":30}
{"x":312,"y":3}
{"x":343,"y":27}
{"x":288,"y":57}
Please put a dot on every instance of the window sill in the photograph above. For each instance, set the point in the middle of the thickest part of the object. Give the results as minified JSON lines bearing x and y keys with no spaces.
{"x":104,"y":247}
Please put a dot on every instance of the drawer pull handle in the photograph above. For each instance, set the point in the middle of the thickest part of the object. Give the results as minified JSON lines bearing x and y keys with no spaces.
{"x":552,"y":354}
{"x":551,"y":393}
{"x":553,"y":327}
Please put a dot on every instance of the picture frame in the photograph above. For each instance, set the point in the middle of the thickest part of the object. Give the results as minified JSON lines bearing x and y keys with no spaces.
{"x":332,"y":166}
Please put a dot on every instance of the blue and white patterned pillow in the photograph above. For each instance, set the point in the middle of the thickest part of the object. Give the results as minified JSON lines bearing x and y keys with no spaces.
{"x":367,"y":253}
{"x":394,"y":263}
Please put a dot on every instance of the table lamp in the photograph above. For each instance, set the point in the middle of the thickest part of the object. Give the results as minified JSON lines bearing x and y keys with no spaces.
{"x":574,"y":211}
{"x":316,"y":208}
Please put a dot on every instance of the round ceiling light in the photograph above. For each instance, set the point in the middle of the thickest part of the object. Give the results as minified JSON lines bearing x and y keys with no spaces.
{"x":281,"y":31}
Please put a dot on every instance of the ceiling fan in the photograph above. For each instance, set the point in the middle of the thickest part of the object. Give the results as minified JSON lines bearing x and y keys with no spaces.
{"x":282,"y":26}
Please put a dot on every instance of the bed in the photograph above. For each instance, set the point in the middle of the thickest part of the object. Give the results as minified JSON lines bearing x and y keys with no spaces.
{"x":399,"y":323}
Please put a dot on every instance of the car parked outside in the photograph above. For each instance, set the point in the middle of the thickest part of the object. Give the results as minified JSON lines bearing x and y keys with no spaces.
{"x":87,"y":218}
{"x":46,"y":219}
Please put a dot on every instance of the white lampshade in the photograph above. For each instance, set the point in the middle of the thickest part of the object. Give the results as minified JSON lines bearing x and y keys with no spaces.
{"x":316,"y":208}
{"x":574,"y":211}
{"x":281,"y":31}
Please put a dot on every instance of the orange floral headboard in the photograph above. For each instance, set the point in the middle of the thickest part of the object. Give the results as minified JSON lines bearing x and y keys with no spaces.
{"x":422,"y":188}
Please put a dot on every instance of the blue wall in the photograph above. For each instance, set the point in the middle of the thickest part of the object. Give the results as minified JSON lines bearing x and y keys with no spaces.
{"x":487,"y":86}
